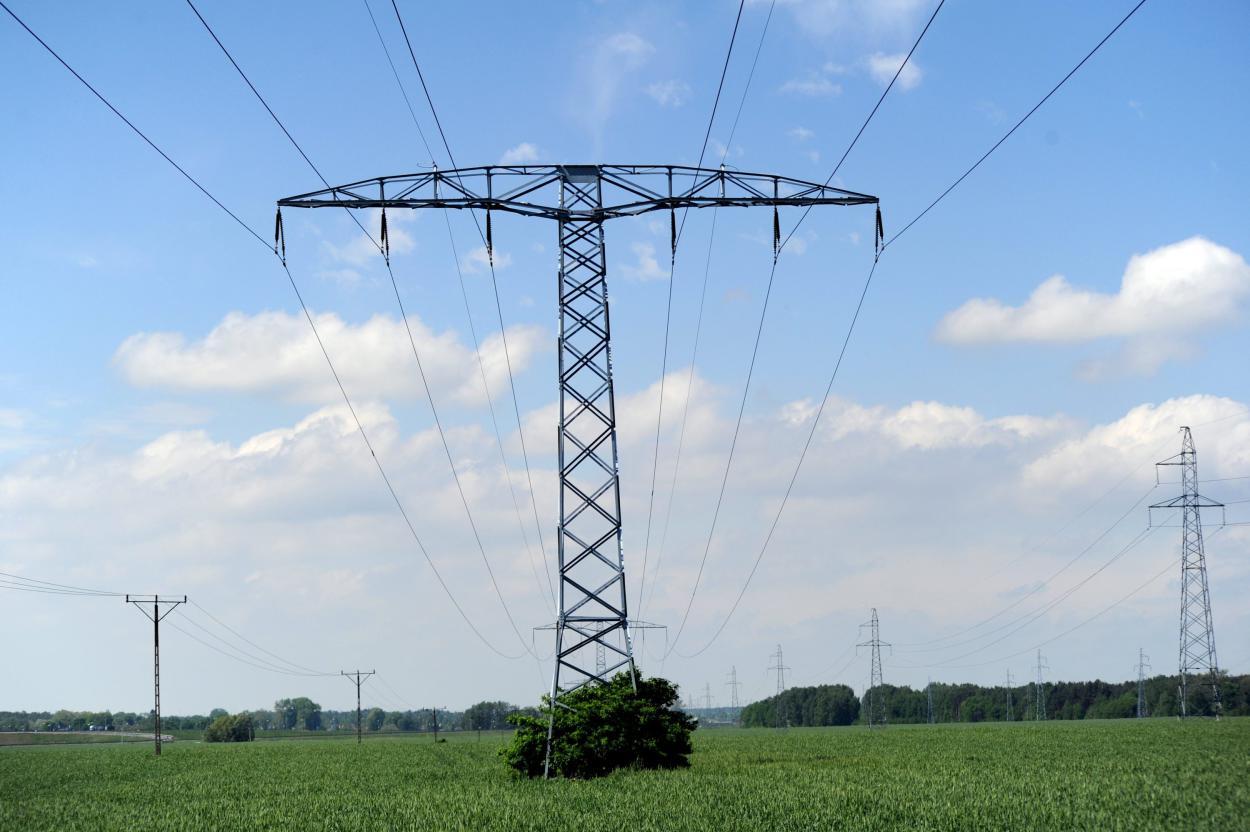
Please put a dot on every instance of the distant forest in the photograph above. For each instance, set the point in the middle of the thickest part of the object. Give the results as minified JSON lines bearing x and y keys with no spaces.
{"x":838,"y":705}
{"x":296,"y":714}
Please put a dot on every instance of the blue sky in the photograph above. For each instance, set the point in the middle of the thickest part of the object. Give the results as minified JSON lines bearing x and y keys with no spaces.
{"x":163,"y":421}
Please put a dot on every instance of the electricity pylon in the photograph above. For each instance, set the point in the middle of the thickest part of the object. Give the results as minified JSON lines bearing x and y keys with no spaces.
{"x":358,"y":678}
{"x":1197,"y":631}
{"x":929,"y":696}
{"x":1040,"y":688}
{"x":707,"y":695}
{"x":779,"y":666}
{"x":781,"y":669}
{"x":601,"y":654}
{"x":141,"y":602}
{"x":875,"y":696}
{"x":733,"y":684}
{"x":1009,"y":696}
{"x":1143,"y":664}
{"x":580,"y":198}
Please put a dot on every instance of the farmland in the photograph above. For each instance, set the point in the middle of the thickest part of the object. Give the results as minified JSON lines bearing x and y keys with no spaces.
{"x":1122,"y":774}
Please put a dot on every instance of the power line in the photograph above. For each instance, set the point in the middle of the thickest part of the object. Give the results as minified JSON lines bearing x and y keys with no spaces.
{"x":503,"y":330}
{"x":229,"y":655}
{"x":256,"y":661}
{"x":247,"y":640}
{"x":12,"y":581}
{"x":876,"y":107}
{"x":811,"y":434}
{"x":308,"y":316}
{"x":394,"y":693}
{"x":131,"y":125}
{"x":867,"y":284}
{"x":1030,"y":617}
{"x":1017,"y":125}
{"x":407,"y":327}
{"x":1036,"y":589}
{"x":476,"y":344}
{"x":694,"y":353}
{"x":668,"y":306}
{"x":404,"y":92}
{"x":755,"y":349}
{"x":1066,"y":632}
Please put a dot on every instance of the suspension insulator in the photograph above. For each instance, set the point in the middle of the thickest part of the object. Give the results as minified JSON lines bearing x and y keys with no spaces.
{"x":672,"y":229}
{"x":386,"y":239}
{"x":880,"y":231}
{"x":776,"y":233}
{"x":490,"y":241}
{"x":279,"y":237}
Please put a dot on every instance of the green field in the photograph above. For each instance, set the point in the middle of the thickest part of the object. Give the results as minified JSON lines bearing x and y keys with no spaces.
{"x":1125,"y":774}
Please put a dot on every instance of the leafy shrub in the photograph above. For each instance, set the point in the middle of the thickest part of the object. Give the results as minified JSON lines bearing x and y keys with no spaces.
{"x":606,"y":726}
{"x":237,"y":728}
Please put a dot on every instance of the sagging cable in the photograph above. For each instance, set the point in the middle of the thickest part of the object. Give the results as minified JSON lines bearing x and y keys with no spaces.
{"x":279,"y":237}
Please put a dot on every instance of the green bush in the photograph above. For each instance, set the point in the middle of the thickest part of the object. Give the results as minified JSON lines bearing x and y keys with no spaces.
{"x":605,"y":727}
{"x":237,"y":728}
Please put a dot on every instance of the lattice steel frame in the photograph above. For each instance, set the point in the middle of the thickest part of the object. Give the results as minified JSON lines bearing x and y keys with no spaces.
{"x":593,"y":630}
{"x":1197,"y":630}
{"x":877,"y":713}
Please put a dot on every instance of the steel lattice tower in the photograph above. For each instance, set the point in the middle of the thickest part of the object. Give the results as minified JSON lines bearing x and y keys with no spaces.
{"x":928,"y":690}
{"x":1143,"y":664}
{"x":1197,"y":631}
{"x":875,"y":696}
{"x":779,"y":666}
{"x":593,"y":614}
{"x":733,"y":684}
{"x":1009,"y":709}
{"x":1040,"y":688}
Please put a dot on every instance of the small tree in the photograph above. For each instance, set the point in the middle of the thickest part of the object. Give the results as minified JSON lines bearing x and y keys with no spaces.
{"x":605,"y":727}
{"x":237,"y":728}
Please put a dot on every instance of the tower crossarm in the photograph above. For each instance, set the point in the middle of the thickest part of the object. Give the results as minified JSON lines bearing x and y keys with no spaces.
{"x":534,"y":190}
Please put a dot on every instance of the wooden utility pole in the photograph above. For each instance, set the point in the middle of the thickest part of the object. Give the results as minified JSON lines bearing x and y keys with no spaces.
{"x":141,"y":602}
{"x":358,"y":678}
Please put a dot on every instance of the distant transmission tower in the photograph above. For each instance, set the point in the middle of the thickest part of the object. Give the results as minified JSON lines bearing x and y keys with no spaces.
{"x":779,"y":666}
{"x":1009,"y":710}
{"x":875,"y":695}
{"x":141,"y":602}
{"x":707,"y":695}
{"x":1197,"y":635}
{"x":733,"y":684}
{"x":1143,"y":664}
{"x":928,"y":690}
{"x":358,"y":678}
{"x":1040,"y":687}
{"x":580,"y":199}
{"x":601,"y":654}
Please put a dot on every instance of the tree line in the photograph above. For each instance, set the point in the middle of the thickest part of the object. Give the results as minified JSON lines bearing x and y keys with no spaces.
{"x":838,"y":705}
{"x":290,"y":714}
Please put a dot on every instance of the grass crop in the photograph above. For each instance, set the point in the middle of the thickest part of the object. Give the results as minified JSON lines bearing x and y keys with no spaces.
{"x":1114,"y":775}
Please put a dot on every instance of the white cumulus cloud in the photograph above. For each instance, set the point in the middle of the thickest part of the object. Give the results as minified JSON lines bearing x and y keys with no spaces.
{"x":882,"y":68}
{"x":275,"y":353}
{"x":519,"y":155}
{"x":669,"y":93}
{"x":646,"y":265}
{"x":1174,"y":289}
